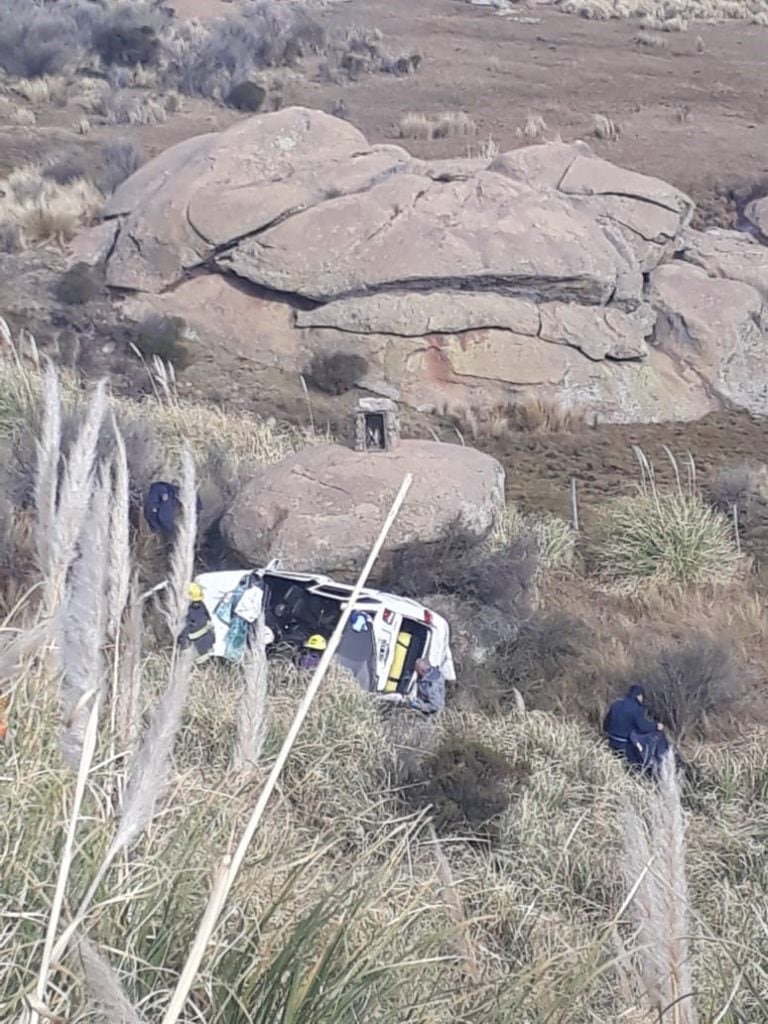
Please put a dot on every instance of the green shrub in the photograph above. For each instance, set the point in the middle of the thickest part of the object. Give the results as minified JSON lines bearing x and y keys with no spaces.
{"x":466,"y":784}
{"x":672,"y":537}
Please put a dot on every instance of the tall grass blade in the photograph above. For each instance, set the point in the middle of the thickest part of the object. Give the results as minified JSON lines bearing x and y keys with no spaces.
{"x":148,"y":777}
{"x":218,"y":897}
{"x":119,"y":538}
{"x":81,"y":628}
{"x":252,"y":708}
{"x":86,"y":759}
{"x":127,"y":693}
{"x":47,"y":475}
{"x":183,"y":558}
{"x":105,"y":992}
{"x":74,"y":498}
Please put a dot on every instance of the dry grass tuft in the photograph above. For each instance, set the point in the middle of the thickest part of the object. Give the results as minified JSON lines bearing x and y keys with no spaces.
{"x":530,"y":415}
{"x":42,"y":209}
{"x":669,"y":17}
{"x":604,"y":128}
{"x":451,"y":124}
{"x":535,"y":127}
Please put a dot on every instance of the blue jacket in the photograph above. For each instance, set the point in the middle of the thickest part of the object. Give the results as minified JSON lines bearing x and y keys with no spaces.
{"x":160,"y":507}
{"x":626,"y":716}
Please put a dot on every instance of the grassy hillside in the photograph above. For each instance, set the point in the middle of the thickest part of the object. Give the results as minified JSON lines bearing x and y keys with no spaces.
{"x":494,"y":864}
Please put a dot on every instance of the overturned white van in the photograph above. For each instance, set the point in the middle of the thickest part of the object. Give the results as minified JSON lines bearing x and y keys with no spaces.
{"x":380,"y":645}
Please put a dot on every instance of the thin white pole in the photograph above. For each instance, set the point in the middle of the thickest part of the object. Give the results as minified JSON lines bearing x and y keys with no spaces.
{"x":574,"y":505}
{"x":230,"y":866}
{"x":736,"y":527}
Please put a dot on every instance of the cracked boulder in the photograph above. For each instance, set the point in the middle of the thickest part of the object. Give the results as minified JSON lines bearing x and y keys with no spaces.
{"x":485,"y":233}
{"x":323,"y":507}
{"x":729,"y":254}
{"x":545,"y":271}
{"x":715,"y":327}
{"x":207,"y":192}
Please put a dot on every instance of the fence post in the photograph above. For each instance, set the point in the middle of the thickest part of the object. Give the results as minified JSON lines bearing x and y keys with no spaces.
{"x":574,"y":505}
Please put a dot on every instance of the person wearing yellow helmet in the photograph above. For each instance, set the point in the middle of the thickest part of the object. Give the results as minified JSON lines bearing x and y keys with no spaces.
{"x":313,"y":651}
{"x":198,"y":628}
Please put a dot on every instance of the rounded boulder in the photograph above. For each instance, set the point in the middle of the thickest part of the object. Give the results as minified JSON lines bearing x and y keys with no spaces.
{"x":322,"y":508}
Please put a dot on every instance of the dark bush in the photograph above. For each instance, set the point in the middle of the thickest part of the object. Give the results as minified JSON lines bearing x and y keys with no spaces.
{"x":10,"y":236}
{"x":67,"y":167}
{"x":457,"y":565}
{"x":336,"y":373}
{"x":78,"y":285}
{"x":34,"y":41}
{"x":247,"y":96}
{"x":466,"y":784}
{"x":537,"y":661}
{"x":687,"y":684}
{"x":162,"y":336}
{"x":402,"y":65}
{"x":361,"y":51}
{"x":120,"y":42}
{"x":120,"y":158}
{"x":265,"y":34}
{"x":743,"y":488}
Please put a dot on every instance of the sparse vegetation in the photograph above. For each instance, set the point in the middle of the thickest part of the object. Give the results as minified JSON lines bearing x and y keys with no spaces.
{"x":670,"y":17}
{"x":450,"y":124}
{"x":466,"y":785}
{"x":120,"y":159}
{"x":532,"y":415}
{"x":535,"y":127}
{"x":121,"y":106}
{"x":687,"y":684}
{"x":543,"y":652}
{"x":66,"y":167}
{"x":515,"y":912}
{"x":361,"y":51}
{"x":162,"y":336}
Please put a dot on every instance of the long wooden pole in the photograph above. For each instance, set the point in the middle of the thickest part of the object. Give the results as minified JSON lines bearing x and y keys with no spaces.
{"x":230,"y":867}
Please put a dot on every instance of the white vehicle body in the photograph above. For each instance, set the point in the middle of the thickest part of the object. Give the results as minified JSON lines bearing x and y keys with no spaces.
{"x":402,"y":630}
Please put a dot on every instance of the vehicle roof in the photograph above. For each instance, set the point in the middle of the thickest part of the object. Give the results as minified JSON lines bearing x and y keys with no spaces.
{"x":319,"y":582}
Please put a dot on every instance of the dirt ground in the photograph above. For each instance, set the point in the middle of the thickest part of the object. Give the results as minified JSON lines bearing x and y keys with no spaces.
{"x":692,"y":109}
{"x":697,"y":119}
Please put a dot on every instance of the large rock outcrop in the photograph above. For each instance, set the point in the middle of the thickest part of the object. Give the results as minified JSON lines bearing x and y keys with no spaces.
{"x":545,"y":270}
{"x":324,"y":505}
